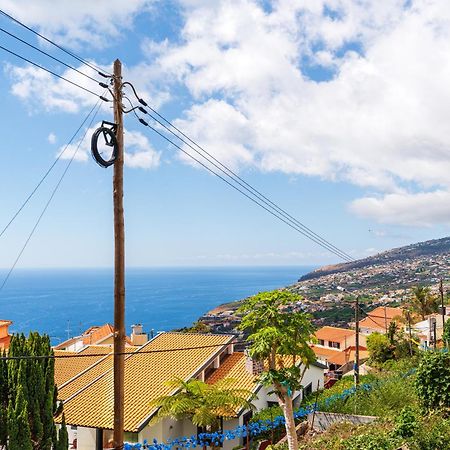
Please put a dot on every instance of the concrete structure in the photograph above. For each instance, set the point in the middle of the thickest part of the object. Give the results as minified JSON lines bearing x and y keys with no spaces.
{"x":5,"y":337}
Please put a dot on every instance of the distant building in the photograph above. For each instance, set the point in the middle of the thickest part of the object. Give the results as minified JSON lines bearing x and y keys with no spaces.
{"x":336,"y":347}
{"x":379,"y":319}
{"x":425,"y":330}
{"x":102,"y":335}
{"x":5,"y":337}
{"x":85,"y":385}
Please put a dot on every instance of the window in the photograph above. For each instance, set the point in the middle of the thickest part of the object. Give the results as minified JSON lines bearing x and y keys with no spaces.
{"x":321,"y":342}
{"x":307,"y":390}
{"x":334,"y":344}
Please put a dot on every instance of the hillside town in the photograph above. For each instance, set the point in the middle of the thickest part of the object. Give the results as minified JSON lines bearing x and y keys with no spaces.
{"x":83,"y":371}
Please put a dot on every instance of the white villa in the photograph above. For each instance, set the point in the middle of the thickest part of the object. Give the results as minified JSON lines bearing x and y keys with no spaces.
{"x":86,"y":386}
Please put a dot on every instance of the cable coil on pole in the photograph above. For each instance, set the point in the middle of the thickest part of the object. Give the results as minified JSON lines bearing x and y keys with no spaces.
{"x":108,"y":130}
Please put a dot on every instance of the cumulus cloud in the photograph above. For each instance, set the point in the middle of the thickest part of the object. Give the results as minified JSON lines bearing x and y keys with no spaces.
{"x":138,"y":151}
{"x":83,"y":22}
{"x":376,"y":121}
{"x":373,"y":117}
{"x":420,"y":209}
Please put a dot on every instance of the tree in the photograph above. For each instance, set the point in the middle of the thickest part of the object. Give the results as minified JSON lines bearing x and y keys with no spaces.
{"x":63,"y":436}
{"x":446,"y":334}
{"x":278,"y":335}
{"x":380,"y":348}
{"x":28,"y":394}
{"x":204,"y":404}
{"x":423,"y":302}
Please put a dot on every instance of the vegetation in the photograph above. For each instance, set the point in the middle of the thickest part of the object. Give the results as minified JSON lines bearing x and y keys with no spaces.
{"x":433,"y":381}
{"x":446,"y":334}
{"x":423,"y":302}
{"x":204,"y":404}
{"x":274,"y":331}
{"x":28,"y":401}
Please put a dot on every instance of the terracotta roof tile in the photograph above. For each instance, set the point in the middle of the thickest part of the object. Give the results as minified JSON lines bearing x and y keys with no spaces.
{"x":145,"y":377}
{"x":334,"y":334}
{"x":68,"y":368}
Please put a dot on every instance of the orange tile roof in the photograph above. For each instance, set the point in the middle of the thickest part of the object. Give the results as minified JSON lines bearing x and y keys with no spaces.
{"x":390,"y":312}
{"x":67,"y":368}
{"x":334,"y":334}
{"x":344,"y":357}
{"x":325,"y":352}
{"x":234,"y":368}
{"x":145,"y":377}
{"x":96,"y":335}
{"x":377,"y":320}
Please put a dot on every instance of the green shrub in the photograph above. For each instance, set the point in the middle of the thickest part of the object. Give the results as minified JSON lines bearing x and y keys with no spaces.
{"x":433,"y":380}
{"x":406,"y":423}
{"x":433,"y":433}
{"x":375,"y":440}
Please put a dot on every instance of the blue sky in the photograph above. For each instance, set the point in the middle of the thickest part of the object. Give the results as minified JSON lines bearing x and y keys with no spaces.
{"x":334,"y":109}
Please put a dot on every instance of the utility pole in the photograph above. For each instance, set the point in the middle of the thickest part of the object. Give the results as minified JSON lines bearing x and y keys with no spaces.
{"x":441,"y":292}
{"x":408,"y":316}
{"x":356,"y":368}
{"x":385,"y":320}
{"x":119,"y":264}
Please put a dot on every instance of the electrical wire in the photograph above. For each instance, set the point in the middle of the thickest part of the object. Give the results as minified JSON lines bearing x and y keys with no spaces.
{"x":52,"y":57}
{"x":296,"y":228}
{"x":73,"y":55}
{"x":54,"y":73}
{"x":231,"y":174}
{"x":2,"y":232}
{"x":307,"y":232}
{"x":136,"y":352}
{"x":50,"y":199}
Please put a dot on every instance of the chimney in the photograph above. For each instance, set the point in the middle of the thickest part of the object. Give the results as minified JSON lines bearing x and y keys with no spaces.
{"x":138,"y":337}
{"x":252,"y":365}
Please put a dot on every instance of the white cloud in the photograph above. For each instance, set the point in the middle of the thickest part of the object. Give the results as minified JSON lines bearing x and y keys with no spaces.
{"x":51,"y":138}
{"x":138,"y":151}
{"x":40,"y":90}
{"x":421,"y":209}
{"x":377,"y":123}
{"x":78,"y":23}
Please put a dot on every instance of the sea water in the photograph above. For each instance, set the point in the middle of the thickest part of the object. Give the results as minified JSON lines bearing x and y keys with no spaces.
{"x":65,"y":302}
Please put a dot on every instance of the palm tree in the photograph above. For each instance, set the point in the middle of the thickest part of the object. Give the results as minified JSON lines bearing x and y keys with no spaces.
{"x":423,"y":302}
{"x":204,"y":404}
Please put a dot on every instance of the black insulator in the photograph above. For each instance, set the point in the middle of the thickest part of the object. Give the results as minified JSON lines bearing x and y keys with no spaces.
{"x":143,"y":121}
{"x":142,"y":102}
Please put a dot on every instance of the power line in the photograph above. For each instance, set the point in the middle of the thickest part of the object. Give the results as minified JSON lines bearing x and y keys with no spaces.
{"x":73,"y":55}
{"x":46,"y":173}
{"x":296,"y":228}
{"x":54,"y":73}
{"x":137,"y":352}
{"x":52,"y":57}
{"x":49,"y":200}
{"x":236,"y":178}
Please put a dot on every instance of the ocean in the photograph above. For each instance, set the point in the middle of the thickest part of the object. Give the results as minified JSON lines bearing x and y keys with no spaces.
{"x":65,"y":302}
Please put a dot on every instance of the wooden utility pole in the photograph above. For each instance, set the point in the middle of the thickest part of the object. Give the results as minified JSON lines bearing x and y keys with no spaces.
{"x":441,"y":292}
{"x":408,"y":317}
{"x":119,"y":265}
{"x":356,"y":368}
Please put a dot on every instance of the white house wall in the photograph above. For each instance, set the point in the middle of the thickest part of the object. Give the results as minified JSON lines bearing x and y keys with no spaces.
{"x":86,"y":438}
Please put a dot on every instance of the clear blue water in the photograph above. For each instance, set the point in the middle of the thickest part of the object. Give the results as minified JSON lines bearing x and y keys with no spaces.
{"x":51,"y":301}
